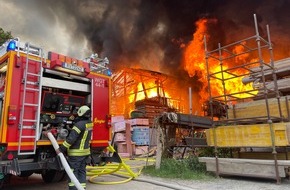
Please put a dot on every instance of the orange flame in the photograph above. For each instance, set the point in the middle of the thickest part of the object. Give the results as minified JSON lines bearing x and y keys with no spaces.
{"x":195,"y":65}
{"x":194,"y":56}
{"x":146,"y":90}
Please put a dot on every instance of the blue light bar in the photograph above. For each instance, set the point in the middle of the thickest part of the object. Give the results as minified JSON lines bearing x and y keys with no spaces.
{"x":11,"y":46}
{"x":109,"y":72}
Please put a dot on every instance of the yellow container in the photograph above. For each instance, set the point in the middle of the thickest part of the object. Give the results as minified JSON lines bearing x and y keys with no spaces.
{"x":256,"y":135}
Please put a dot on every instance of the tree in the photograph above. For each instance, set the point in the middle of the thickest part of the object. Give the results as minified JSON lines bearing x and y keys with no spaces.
{"x":4,"y":36}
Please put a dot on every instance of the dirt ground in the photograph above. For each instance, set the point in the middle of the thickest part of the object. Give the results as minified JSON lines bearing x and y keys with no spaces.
{"x":230,"y":183}
{"x":142,"y":182}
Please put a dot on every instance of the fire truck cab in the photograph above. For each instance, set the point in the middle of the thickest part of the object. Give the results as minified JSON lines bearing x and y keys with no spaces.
{"x":41,"y":93}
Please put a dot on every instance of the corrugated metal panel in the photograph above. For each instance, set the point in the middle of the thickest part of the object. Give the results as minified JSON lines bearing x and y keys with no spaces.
{"x":55,"y":83}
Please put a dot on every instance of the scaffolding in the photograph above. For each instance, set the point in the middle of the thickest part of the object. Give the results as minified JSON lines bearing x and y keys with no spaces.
{"x":260,"y":71}
{"x":254,"y":70}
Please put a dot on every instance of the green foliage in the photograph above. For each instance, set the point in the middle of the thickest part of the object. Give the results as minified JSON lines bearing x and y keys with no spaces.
{"x":222,"y":152}
{"x":4,"y":36}
{"x":188,"y":168}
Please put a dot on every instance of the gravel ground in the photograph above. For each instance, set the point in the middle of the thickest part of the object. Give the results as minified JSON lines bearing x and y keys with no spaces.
{"x":227,"y":183}
{"x":222,"y":183}
{"x":144,"y":182}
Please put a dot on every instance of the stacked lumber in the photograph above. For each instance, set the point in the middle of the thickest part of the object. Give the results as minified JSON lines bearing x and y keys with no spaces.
{"x":263,"y":155}
{"x":283,"y":86}
{"x":258,"y":108}
{"x":281,"y":67}
{"x":282,"y":70}
{"x":151,"y":112}
{"x":247,"y":167}
{"x":152,"y":108}
{"x":256,"y":135}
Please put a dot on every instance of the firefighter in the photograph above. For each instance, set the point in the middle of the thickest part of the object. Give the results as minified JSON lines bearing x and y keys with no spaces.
{"x":77,"y":146}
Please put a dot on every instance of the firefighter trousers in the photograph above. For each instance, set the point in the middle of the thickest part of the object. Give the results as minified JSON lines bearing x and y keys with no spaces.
{"x":78,"y":166}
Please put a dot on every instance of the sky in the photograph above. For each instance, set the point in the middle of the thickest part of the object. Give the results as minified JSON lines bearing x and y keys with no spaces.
{"x":149,"y":33}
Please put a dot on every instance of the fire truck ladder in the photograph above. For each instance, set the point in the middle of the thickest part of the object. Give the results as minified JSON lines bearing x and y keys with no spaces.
{"x":29,"y":126}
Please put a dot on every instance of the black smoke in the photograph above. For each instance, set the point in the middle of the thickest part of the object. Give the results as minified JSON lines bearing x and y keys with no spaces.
{"x":149,"y":33}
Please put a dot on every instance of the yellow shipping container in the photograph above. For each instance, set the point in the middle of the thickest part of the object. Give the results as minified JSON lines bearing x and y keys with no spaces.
{"x":255,"y":135}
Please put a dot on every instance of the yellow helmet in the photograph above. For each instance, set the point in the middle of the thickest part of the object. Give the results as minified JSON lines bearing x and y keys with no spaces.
{"x":83,"y":111}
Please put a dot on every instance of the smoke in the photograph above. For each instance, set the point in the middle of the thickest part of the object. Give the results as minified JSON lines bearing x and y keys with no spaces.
{"x":145,"y":34}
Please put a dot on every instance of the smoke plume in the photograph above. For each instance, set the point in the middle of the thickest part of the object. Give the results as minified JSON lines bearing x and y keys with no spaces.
{"x":148,"y":34}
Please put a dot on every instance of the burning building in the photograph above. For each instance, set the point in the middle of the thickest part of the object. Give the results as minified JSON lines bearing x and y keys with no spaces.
{"x":148,"y":92}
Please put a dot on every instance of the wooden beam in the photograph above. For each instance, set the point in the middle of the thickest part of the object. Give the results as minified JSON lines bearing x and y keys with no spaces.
{"x":246,"y":167}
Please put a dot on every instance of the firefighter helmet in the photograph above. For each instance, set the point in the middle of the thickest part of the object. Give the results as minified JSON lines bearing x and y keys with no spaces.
{"x":83,"y":110}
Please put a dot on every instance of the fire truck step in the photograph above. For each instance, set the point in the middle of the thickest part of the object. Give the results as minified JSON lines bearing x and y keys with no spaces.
{"x":29,"y":120}
{"x":33,"y":74}
{"x":36,"y":60}
{"x":32,"y":89}
{"x":28,"y":104}
{"x":25,"y":153}
{"x":28,"y":127}
{"x":32,"y":83}
{"x":28,"y":137}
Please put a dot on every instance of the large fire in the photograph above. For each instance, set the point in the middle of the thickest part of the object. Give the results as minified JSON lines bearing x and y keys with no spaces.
{"x":195,"y":65}
{"x":147,"y":90}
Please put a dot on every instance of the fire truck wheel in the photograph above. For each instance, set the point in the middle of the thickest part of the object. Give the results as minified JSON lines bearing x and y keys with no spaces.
{"x":51,"y":176}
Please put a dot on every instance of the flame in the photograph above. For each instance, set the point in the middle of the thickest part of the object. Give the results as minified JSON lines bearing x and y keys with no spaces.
{"x":149,"y":90}
{"x":238,"y":49}
{"x":195,"y":65}
{"x":194,"y":53}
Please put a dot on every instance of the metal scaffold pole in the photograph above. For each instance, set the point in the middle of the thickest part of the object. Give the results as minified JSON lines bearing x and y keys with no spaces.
{"x":270,"y":122}
{"x":274,"y":73}
{"x":211,"y":109}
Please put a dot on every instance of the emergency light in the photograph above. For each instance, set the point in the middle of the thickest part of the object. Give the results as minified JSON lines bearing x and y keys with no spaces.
{"x":109,"y":72}
{"x":11,"y":46}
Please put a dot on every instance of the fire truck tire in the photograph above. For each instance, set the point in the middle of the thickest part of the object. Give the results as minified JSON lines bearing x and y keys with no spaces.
{"x":52,"y":176}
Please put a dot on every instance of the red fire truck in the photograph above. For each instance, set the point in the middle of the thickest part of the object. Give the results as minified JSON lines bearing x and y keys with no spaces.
{"x":41,"y":93}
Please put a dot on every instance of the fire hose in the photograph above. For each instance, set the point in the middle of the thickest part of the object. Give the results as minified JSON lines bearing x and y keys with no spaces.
{"x":125,"y":171}
{"x":64,"y":163}
{"x":121,"y":169}
{"x":94,"y":172}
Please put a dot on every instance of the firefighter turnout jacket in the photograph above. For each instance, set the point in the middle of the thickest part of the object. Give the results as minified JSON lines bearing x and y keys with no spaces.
{"x":78,"y":141}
